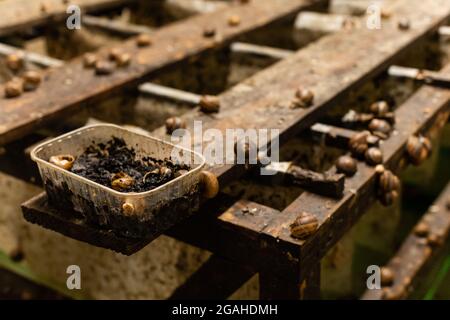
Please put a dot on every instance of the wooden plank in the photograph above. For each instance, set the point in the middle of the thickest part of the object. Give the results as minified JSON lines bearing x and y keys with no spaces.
{"x":217,"y":278}
{"x":18,"y":15}
{"x":72,"y":86}
{"x":427,"y":109}
{"x":416,"y":254}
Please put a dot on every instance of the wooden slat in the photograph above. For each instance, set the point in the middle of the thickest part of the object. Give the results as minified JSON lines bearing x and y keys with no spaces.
{"x":426,"y":109}
{"x":415,"y":255}
{"x":71,"y":86}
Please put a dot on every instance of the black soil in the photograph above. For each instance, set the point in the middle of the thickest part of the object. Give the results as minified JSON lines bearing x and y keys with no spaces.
{"x":102,"y":162}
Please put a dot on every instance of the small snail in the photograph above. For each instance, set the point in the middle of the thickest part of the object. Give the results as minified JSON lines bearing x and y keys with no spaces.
{"x":379,"y":125}
{"x":379,"y":108}
{"x":143,"y":40}
{"x":434,"y":240}
{"x":386,"y":276}
{"x":388,"y":198}
{"x":89,"y":60}
{"x":209,"y":104}
{"x":15,"y":61}
{"x":31,"y":80}
{"x":421,"y":229}
{"x":174,"y":123}
{"x":64,"y":161}
{"x":209,"y":32}
{"x":210,"y":184}
{"x":346,"y":165}
{"x":121,"y":181}
{"x":358,"y":143}
{"x":234,"y":20}
{"x":373,"y":156}
{"x":128,"y":208}
{"x":123,"y":60}
{"x":103,"y":68}
{"x":304,"y":97}
{"x":404,"y":24}
{"x":13,"y":88}
{"x":388,"y":181}
{"x":418,"y":149}
{"x":304,"y":226}
{"x":114,"y":53}
{"x":166,"y":173}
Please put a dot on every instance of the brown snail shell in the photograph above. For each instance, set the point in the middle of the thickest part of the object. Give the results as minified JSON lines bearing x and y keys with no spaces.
{"x":434,"y":240}
{"x":143,"y":40}
{"x":64,"y":161}
{"x":389,"y":198}
{"x":15,"y":61}
{"x":209,"y":104}
{"x":421,"y":229}
{"x":13,"y":88}
{"x":210,"y":184}
{"x":123,"y":60}
{"x":418,"y":149}
{"x":31,"y":80}
{"x":174,"y":123}
{"x":379,"y":108}
{"x":358,"y":143}
{"x":103,"y":68}
{"x":209,"y":32}
{"x":114,"y":53}
{"x":304,"y":226}
{"x":89,"y":60}
{"x":388,"y":181}
{"x":305,"y":97}
{"x":404,"y":24}
{"x":128,"y":208}
{"x":121,"y":181}
{"x":234,"y":20}
{"x":386,"y":276}
{"x":346,"y":165}
{"x":379,"y":125}
{"x":374,"y":156}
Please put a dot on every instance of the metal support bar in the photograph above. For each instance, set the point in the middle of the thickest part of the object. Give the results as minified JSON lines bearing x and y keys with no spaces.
{"x":34,"y":58}
{"x":169,"y":93}
{"x":270,"y":52}
{"x":122,"y":28}
{"x":427,"y":76}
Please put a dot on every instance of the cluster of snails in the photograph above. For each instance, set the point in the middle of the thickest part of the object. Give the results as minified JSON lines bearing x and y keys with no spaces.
{"x":28,"y":81}
{"x":388,"y":186}
{"x":360,"y":148}
{"x":418,"y":149}
{"x":381,"y":124}
{"x":304,"y":98}
{"x":304,"y":226}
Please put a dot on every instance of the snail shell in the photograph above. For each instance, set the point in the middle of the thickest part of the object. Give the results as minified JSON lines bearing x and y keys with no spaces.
{"x":89,"y":60}
{"x":358,"y":143}
{"x":64,"y":161}
{"x":31,"y":80}
{"x":389,"y":198}
{"x":388,"y":182}
{"x":209,"y":104}
{"x":418,"y":149}
{"x":143,"y":40}
{"x":379,"y":108}
{"x":103,"y":68}
{"x":374,"y":156}
{"x":386,"y":276}
{"x":346,"y":165}
{"x":13,"y":88}
{"x":15,"y":61}
{"x":234,"y":20}
{"x":305,"y":97}
{"x":121,"y":181}
{"x":304,"y":226}
{"x":378,"y":125}
{"x":210,"y":184}
{"x":174,"y":123}
{"x":421,"y":230}
{"x":128,"y":209}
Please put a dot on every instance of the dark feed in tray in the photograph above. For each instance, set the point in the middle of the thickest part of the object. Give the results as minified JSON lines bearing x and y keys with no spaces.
{"x":114,"y":165}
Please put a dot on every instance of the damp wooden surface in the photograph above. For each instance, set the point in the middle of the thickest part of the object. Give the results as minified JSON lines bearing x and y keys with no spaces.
{"x":18,"y":15}
{"x":65,"y":89}
{"x":416,"y":254}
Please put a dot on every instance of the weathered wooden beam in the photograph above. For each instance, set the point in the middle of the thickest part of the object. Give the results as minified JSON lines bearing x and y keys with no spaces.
{"x":418,"y":252}
{"x":35,"y":58}
{"x":269,"y":52}
{"x":427,"y":109}
{"x":217,"y":278}
{"x":72,"y":86}
{"x":117,"y":27}
{"x":18,"y":15}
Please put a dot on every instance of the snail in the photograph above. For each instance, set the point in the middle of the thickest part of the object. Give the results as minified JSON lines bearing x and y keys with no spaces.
{"x":379,"y":108}
{"x":174,"y":123}
{"x":379,"y":125}
{"x":388,"y":186}
{"x":166,"y":173}
{"x":305,"y":225}
{"x":404,"y":24}
{"x":31,"y":80}
{"x":121,"y":181}
{"x":64,"y":161}
{"x":209,"y":104}
{"x":13,"y":88}
{"x":89,"y":60}
{"x":418,"y":149}
{"x":373,"y":156}
{"x":210,"y":184}
{"x":358,"y":143}
{"x":304,"y":97}
{"x":234,"y":20}
{"x":15,"y":61}
{"x":209,"y":32}
{"x":114,"y":53}
{"x":123,"y":60}
{"x":434,"y":240}
{"x":143,"y":40}
{"x":421,"y":229}
{"x":386,"y":276}
{"x":388,"y":198}
{"x":127,"y":208}
{"x":346,"y":165}
{"x":103,"y":68}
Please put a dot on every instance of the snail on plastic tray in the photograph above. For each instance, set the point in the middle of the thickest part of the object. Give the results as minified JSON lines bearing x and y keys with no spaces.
{"x":121,"y":181}
{"x":64,"y":161}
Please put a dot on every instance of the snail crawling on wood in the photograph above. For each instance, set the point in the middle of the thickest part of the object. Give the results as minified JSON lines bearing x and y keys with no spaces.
{"x":388,"y":186}
{"x":346,"y":165}
{"x":209,"y":104}
{"x":174,"y":123}
{"x":358,"y":144}
{"x":304,"y":226}
{"x":304,"y":98}
{"x":418,"y":148}
{"x":373,"y":156}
